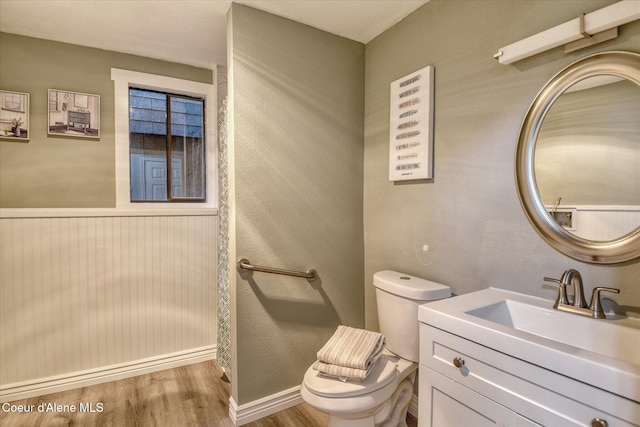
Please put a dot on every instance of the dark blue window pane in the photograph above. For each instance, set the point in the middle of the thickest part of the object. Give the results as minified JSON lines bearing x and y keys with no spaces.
{"x":139,"y":102}
{"x":177,"y":129}
{"x":158,"y":128}
{"x":136,"y":126}
{"x":178,"y":105}
{"x":159,"y":104}
{"x":194,"y":108}
{"x":178,"y":118}
{"x":149,"y":110}
{"x":148,"y":120}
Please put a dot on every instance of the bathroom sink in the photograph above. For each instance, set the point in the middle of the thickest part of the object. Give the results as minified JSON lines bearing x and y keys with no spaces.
{"x":604,"y":353}
{"x":616,"y":340}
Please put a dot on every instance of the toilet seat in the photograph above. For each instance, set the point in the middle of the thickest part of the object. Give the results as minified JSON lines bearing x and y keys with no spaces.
{"x":383,"y":373}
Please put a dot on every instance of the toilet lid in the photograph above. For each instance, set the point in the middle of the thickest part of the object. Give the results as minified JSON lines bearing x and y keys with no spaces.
{"x":382,"y":374}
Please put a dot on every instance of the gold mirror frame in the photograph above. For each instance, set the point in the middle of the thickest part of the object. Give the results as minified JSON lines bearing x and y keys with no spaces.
{"x":615,"y":63}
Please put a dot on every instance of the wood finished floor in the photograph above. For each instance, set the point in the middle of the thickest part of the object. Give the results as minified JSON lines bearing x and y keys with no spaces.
{"x":193,"y":395}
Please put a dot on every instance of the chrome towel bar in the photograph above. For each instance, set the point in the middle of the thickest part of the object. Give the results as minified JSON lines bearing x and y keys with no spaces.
{"x":244,"y":265}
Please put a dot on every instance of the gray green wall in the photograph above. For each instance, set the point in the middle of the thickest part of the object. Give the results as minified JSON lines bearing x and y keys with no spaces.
{"x":469,"y":217}
{"x":60,"y":172}
{"x":297,"y":111}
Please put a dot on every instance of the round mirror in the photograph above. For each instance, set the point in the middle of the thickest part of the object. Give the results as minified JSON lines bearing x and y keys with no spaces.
{"x":578,"y":159}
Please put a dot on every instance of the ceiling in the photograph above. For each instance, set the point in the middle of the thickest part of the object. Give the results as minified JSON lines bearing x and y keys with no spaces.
{"x":186,"y":31}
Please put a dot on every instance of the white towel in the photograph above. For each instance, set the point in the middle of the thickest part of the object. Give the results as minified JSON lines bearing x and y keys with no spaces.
{"x":350,"y":353}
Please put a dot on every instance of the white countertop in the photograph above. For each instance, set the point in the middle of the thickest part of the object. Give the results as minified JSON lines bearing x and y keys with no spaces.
{"x":598,"y":368}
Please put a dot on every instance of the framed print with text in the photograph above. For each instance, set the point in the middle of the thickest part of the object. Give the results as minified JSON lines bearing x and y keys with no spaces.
{"x":411,"y":126}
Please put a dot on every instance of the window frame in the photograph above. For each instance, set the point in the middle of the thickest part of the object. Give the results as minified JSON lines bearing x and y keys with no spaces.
{"x":125,"y":79}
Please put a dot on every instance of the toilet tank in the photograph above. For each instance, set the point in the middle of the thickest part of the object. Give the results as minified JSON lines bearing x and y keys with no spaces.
{"x":398,"y":296}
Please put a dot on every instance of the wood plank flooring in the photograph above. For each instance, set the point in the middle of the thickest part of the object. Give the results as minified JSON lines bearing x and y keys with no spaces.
{"x":194,"y":395}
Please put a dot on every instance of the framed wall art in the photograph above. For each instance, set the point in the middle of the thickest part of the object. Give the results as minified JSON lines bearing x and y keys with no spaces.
{"x":74,"y":114}
{"x":14,"y":115}
{"x":411,"y":126}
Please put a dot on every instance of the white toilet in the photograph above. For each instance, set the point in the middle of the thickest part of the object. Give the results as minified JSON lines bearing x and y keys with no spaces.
{"x":383,"y":398}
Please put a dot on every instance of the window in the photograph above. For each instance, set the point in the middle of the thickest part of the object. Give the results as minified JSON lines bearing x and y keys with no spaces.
{"x":13,"y":102}
{"x":166,"y":147}
{"x":191,"y":173}
{"x":53,"y":100}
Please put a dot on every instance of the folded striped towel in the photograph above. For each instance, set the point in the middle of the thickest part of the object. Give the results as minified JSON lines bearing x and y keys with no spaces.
{"x":342,"y":372}
{"x":350,"y":353}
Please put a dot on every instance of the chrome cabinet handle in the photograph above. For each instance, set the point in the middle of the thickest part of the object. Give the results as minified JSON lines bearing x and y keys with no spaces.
{"x":458,"y":362}
{"x":598,"y":422}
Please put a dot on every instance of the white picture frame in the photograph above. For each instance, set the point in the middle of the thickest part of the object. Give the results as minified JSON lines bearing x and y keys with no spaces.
{"x":73,"y":114}
{"x":14,"y":116}
{"x":411,"y":126}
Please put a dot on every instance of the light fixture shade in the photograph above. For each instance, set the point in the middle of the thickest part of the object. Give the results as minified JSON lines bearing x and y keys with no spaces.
{"x":592,"y":23}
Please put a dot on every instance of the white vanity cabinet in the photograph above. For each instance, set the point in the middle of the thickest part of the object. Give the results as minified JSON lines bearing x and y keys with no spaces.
{"x":452,"y":404}
{"x":463,"y":383}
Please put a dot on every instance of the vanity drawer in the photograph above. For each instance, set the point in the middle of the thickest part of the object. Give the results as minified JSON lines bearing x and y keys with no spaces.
{"x":536,"y":393}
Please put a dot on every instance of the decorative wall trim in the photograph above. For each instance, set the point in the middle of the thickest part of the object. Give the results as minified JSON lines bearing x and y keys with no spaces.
{"x":27,"y":389}
{"x":264,"y":407}
{"x":224,"y":297}
{"x":6,"y":213}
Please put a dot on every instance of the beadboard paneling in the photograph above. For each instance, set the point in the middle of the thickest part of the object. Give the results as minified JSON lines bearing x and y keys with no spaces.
{"x":80,"y":293}
{"x":606,"y":222}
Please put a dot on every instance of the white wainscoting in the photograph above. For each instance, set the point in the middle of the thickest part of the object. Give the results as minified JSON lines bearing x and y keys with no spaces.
{"x":98,"y":296}
{"x":604,"y":222}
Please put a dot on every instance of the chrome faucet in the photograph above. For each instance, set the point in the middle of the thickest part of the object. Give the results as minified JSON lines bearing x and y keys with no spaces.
{"x":573,"y":278}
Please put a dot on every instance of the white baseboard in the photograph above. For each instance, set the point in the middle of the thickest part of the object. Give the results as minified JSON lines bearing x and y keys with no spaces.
{"x":264,"y":407}
{"x":42,"y":386}
{"x":269,"y":405}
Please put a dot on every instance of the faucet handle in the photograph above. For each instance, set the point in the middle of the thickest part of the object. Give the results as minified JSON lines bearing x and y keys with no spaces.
{"x":562,"y":291}
{"x":596,"y":305}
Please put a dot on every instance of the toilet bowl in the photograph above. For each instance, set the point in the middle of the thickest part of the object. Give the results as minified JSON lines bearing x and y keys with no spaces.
{"x":367,"y":403}
{"x":382,"y":399}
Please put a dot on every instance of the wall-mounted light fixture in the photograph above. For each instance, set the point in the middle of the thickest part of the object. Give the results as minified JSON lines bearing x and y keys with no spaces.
{"x":585,"y":30}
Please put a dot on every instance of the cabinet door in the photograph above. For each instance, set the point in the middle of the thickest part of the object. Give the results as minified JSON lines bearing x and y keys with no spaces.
{"x":445,"y":403}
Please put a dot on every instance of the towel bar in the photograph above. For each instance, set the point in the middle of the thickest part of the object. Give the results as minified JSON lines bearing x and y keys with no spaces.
{"x":244,"y":265}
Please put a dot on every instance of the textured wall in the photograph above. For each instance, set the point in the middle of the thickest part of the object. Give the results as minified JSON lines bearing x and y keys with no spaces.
{"x":54,"y":171}
{"x":469,"y":217}
{"x":296,"y":128}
